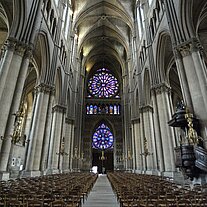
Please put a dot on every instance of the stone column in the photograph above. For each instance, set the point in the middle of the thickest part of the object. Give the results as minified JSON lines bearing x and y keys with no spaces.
{"x":157,"y":139}
{"x":46,"y":141}
{"x":6,"y":148}
{"x":183,"y":80}
{"x":55,"y":139}
{"x":142,"y":135}
{"x":9,"y":73}
{"x":167,"y":135}
{"x":195,"y":70}
{"x":71,"y":147}
{"x":66,"y":159}
{"x":5,"y":63}
{"x":149,"y":135}
{"x":201,"y":72}
{"x":133,"y":148}
{"x":138,"y":146}
{"x":36,"y":138}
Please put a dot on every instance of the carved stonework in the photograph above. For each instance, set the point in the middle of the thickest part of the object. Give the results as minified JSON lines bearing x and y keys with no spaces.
{"x":160,"y":88}
{"x":19,"y":49}
{"x":28,"y":53}
{"x":69,"y":121}
{"x":10,"y":45}
{"x":177,"y":54}
{"x":146,"y":108}
{"x":187,"y":48}
{"x":44,"y":88}
{"x":59,"y":108}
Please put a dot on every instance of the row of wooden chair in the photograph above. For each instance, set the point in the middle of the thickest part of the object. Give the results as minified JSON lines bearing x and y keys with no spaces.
{"x":68,"y":189}
{"x":138,"y":190}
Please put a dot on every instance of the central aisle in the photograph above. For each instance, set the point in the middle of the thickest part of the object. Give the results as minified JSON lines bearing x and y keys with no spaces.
{"x":101,"y":194}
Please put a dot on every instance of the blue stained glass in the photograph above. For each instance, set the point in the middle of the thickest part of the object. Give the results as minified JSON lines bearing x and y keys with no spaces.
{"x":103,"y":137}
{"x":103,"y":84}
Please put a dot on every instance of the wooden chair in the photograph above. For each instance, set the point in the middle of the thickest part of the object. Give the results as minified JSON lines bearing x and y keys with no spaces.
{"x":203,"y":203}
{"x":35,"y":203}
{"x":58,"y":203}
{"x":162,"y":203}
{"x":14,"y":203}
{"x":184,"y":203}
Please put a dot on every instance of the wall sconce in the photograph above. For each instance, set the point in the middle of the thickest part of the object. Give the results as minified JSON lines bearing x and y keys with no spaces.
{"x":18,"y":125}
{"x":128,"y":157}
{"x":62,"y":148}
{"x":102,"y":155}
{"x":76,"y":156}
{"x":146,"y":151}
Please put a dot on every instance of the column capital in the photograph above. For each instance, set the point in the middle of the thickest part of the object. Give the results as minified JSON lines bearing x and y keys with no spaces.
{"x":69,"y":120}
{"x":19,"y":49}
{"x":188,"y":47}
{"x":28,"y":52}
{"x":44,"y":88}
{"x":146,"y":108}
{"x":10,"y":44}
{"x":59,"y":108}
{"x":160,"y":88}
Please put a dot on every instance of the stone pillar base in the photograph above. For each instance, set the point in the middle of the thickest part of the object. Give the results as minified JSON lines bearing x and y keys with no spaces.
{"x":52,"y":171}
{"x":4,"y":175}
{"x":66,"y":171}
{"x":201,"y":180}
{"x":152,"y":172}
{"x":138,"y":171}
{"x":31,"y":173}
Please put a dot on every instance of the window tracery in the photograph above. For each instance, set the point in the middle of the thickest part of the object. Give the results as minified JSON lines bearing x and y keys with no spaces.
{"x":103,"y":137}
{"x":103,"y":84}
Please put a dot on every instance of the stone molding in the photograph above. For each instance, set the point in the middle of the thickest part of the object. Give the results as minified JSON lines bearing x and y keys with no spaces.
{"x":19,"y":49}
{"x":28,"y":53}
{"x":160,"y":88}
{"x":10,"y":45}
{"x":187,"y":48}
{"x":146,"y":108}
{"x":69,"y":120}
{"x":135,"y":120}
{"x":44,"y":88}
{"x":59,"y":108}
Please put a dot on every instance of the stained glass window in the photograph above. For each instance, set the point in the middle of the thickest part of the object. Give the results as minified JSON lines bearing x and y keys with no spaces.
{"x":103,"y":84}
{"x":112,"y":109}
{"x":103,"y":137}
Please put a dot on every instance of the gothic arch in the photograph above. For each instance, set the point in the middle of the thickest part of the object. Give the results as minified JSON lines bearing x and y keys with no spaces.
{"x":69,"y":103}
{"x":4,"y":30}
{"x":58,"y":87}
{"x":164,"y":55}
{"x":137,"y":102}
{"x":146,"y":87}
{"x":201,"y":30}
{"x":190,"y":13}
{"x":42,"y":57}
{"x":18,"y":19}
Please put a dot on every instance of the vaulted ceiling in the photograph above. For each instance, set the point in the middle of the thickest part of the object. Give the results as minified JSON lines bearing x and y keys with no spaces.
{"x":104,"y":28}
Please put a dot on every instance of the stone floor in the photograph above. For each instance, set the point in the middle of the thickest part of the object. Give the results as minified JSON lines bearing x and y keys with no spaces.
{"x":101,"y":194}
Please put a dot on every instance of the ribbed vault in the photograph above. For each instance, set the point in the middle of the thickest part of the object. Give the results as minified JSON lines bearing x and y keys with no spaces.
{"x":103,"y":29}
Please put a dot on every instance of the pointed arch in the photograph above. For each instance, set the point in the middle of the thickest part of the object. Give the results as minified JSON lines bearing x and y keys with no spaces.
{"x":18,"y":19}
{"x":164,"y":55}
{"x":4,"y":30}
{"x":42,"y":57}
{"x":58,"y":86}
{"x":146,"y":87}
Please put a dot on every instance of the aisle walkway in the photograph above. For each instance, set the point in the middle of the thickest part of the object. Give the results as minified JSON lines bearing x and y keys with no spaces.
{"x":102,"y":194}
